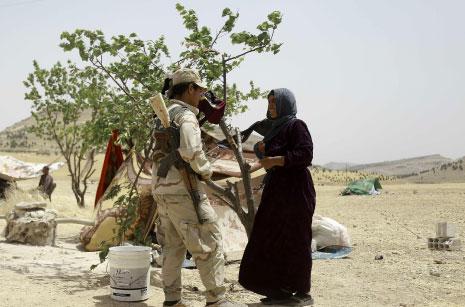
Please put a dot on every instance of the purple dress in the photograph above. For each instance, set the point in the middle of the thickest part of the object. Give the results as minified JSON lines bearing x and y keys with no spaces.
{"x":278,"y":254}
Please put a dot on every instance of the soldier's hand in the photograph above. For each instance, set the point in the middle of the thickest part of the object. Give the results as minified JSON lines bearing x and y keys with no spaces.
{"x":261,"y":147}
{"x":204,"y":177}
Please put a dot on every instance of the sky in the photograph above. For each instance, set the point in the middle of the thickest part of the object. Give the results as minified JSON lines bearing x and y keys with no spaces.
{"x":374,"y":80}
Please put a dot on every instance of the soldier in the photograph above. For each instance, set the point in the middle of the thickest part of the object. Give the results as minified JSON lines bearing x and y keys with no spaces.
{"x":187,"y":220}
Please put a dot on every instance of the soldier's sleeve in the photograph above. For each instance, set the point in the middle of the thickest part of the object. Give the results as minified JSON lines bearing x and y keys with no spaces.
{"x":190,"y":145}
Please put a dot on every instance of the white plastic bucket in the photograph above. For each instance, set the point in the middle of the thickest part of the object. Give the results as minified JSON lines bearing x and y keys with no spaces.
{"x":129,"y":273}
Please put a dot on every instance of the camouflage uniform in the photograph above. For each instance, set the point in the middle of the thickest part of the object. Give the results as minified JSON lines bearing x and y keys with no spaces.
{"x":179,"y":228}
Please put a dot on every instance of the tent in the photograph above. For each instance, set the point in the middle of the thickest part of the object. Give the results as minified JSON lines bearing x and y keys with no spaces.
{"x":105,"y":227}
{"x":328,"y":233}
{"x":363,"y":187}
{"x":225,"y":168}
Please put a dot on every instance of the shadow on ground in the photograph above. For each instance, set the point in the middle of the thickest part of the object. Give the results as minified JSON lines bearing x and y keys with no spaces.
{"x":106,"y":300}
{"x":78,"y":283}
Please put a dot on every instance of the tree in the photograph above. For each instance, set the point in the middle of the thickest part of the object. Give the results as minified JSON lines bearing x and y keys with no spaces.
{"x":133,"y":70}
{"x":215,"y":65}
{"x":135,"y":67}
{"x":62,"y":98}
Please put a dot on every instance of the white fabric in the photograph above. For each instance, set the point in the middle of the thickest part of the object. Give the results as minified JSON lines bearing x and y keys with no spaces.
{"x":14,"y":169}
{"x":373,"y":191}
{"x":328,"y":232}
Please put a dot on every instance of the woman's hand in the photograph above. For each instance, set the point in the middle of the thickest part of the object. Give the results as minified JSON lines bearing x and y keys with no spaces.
{"x":259,"y":150}
{"x":269,"y":162}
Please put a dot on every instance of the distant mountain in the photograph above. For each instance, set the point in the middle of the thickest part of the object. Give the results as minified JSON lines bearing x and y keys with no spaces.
{"x":404,"y":166}
{"x":339,"y":166}
{"x":17,"y":137}
{"x":393,"y":168}
{"x":453,"y":171}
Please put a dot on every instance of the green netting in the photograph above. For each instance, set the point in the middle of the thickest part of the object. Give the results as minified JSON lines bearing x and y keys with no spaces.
{"x":362,"y":187}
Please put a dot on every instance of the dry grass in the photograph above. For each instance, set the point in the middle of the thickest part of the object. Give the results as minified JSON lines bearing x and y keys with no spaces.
{"x":323,"y":176}
{"x":15,"y":196}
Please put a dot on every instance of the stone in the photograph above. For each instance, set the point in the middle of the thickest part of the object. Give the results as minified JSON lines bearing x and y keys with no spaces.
{"x":31,"y":224}
{"x":434,"y":273}
{"x":31,"y":205}
{"x":379,"y":257}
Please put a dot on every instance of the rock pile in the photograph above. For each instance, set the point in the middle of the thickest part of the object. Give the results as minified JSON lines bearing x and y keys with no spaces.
{"x":31,"y":223}
{"x":445,"y":238}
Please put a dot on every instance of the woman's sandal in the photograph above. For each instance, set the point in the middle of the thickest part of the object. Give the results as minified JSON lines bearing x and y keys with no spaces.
{"x":273,"y":301}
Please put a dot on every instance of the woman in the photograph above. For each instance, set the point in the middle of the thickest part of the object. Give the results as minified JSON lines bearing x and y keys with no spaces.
{"x":277,"y":261}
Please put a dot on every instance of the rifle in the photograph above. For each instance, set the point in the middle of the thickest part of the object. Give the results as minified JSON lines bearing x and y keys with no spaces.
{"x":191,"y":181}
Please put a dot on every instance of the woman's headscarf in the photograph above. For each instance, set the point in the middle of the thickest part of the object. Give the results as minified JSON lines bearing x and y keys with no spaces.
{"x":286,"y":109}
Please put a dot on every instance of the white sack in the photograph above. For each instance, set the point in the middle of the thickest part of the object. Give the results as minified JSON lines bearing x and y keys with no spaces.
{"x":328,"y":232}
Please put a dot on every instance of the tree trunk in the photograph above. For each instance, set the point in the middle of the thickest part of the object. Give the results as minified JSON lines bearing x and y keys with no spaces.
{"x":81,"y":202}
{"x":78,"y":194}
{"x":247,"y":220}
{"x":232,"y":192}
{"x":78,"y":179}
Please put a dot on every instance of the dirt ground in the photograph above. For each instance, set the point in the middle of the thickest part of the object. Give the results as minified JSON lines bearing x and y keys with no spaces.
{"x":394,"y":224}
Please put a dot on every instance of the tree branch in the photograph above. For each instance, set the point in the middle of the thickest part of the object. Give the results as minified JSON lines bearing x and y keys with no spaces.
{"x":220,"y":197}
{"x":103,"y":68}
{"x":251,"y":50}
{"x":217,"y":36}
{"x":223,"y":191}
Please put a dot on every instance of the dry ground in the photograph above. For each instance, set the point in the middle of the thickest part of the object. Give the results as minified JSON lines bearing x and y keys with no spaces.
{"x":394,"y":224}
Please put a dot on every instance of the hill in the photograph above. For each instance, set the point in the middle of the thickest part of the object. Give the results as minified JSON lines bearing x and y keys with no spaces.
{"x":18,"y":138}
{"x":403,"y":167}
{"x":339,"y":166}
{"x":447,"y":172}
{"x":432,"y":168}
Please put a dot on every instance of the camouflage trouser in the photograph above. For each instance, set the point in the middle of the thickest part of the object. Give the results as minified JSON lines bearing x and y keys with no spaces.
{"x":180,"y":229}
